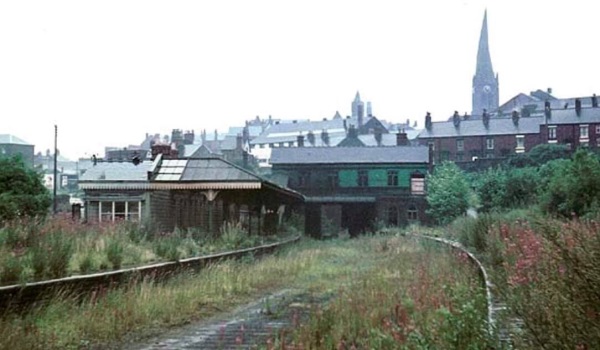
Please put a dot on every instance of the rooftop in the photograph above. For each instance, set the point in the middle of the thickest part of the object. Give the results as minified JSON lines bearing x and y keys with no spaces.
{"x":350,"y":155}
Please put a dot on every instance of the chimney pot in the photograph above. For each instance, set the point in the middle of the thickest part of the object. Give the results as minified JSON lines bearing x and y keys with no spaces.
{"x":401,"y":138}
{"x":300,"y":140}
{"x":594,"y":101}
{"x":578,"y":106}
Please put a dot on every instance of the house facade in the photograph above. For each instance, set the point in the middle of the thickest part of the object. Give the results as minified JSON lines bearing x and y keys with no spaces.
{"x":354,"y":187}
{"x":11,"y":146}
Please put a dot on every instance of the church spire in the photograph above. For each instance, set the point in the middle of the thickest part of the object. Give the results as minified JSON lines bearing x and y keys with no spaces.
{"x":485,"y":82}
{"x":484,"y":60}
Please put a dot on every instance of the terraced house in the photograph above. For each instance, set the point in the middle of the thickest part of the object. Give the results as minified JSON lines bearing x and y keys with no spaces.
{"x":355,"y":187}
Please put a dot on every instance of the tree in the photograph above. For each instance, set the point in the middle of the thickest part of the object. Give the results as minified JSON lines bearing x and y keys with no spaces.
{"x":448,"y":193}
{"x":21,"y":190}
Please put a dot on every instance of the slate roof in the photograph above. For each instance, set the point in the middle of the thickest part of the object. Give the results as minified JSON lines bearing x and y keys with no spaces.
{"x":569,"y":116}
{"x":497,"y":126}
{"x":349,"y":155}
{"x":206,"y":169}
{"x":116,"y":171}
{"x":11,"y":139}
{"x":285,"y":132}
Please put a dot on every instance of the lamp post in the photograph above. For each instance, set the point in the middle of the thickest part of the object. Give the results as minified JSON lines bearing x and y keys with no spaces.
{"x":54,"y":204}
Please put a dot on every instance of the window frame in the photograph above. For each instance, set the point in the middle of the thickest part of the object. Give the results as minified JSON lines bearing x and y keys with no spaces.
{"x":362,"y":178}
{"x":392,"y":178}
{"x":489,"y":143}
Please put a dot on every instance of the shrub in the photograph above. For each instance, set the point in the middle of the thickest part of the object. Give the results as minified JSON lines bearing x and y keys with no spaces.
{"x":11,"y":268}
{"x":22,"y":193}
{"x":447,"y":193}
{"x":115,"y":252}
{"x":166,"y":246}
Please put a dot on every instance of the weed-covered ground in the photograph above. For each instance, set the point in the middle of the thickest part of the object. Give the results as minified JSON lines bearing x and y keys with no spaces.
{"x":380,"y":292}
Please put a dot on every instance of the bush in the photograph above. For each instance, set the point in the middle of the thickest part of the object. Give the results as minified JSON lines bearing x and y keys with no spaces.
{"x":166,"y":246}
{"x":447,"y":193}
{"x":22,"y":193}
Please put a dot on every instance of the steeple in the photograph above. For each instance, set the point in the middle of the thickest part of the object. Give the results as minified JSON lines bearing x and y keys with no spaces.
{"x":484,"y":60}
{"x":485,"y":82}
{"x":358,"y":109}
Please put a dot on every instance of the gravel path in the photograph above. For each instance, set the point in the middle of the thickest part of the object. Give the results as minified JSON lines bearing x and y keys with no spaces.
{"x":247,"y":327}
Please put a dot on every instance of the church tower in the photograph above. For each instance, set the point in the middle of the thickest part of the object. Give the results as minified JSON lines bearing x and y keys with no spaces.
{"x":485,"y":83}
{"x":358,"y":109}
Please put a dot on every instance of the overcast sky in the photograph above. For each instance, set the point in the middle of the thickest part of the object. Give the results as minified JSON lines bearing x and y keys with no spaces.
{"x":107,"y":72}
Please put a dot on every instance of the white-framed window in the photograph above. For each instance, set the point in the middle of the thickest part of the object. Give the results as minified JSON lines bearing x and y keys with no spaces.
{"x":118,"y":210}
{"x":520,"y":144}
{"x":551,"y":133}
{"x":417,"y":185}
{"x":460,"y":145}
{"x":489,"y":143}
{"x":584,"y":131}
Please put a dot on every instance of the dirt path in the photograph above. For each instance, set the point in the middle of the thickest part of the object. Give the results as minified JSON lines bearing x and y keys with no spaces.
{"x":244,"y":328}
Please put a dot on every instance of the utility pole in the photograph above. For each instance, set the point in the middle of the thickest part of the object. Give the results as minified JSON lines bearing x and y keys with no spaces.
{"x":55,"y":169}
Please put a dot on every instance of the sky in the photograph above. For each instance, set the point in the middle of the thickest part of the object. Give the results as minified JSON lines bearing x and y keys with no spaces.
{"x":108,"y":72}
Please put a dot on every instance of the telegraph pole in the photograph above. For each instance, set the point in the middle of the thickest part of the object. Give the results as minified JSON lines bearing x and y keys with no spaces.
{"x":55,"y":169}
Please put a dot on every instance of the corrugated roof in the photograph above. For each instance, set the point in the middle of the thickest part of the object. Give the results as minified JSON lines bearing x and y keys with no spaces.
{"x":11,"y":139}
{"x":350,"y":155}
{"x":497,"y":126}
{"x":108,"y":171}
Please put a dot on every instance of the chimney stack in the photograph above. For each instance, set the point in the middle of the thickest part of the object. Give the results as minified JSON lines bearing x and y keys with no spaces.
{"x":428,"y":123}
{"x":515,"y":118}
{"x":486,"y":118}
{"x":594,"y":101}
{"x":547,"y":110}
{"x":578,"y":107}
{"x":300,"y":140}
{"x":238,"y":141}
{"x":401,"y":138}
{"x":456,"y":119}
{"x":325,"y":136}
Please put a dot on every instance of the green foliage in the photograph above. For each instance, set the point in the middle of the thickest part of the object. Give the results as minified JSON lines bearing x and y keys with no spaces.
{"x":21,"y":191}
{"x":447,"y":193}
{"x":500,"y":189}
{"x":167,"y":247}
{"x":11,"y":268}
{"x":539,"y":155}
{"x":51,"y":255}
{"x":574,"y":187}
{"x":114,"y":252}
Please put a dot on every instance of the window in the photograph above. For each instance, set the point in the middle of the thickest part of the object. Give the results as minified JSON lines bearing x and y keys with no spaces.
{"x":412,"y":213}
{"x":332,"y":179}
{"x":392,"y":176}
{"x":489,"y":143}
{"x":552,"y":132}
{"x":460,"y":145}
{"x":520,"y":144}
{"x":417,"y":183}
{"x":597,"y":129}
{"x":363,"y":178}
{"x":303,"y":179}
{"x":112,"y":211}
{"x":392,"y":215}
{"x":583,"y":131}
{"x":459,"y":157}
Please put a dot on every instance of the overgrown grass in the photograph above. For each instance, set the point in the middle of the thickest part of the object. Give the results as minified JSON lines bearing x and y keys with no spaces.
{"x":546,"y":270}
{"x":384,"y":283}
{"x":57,"y":247}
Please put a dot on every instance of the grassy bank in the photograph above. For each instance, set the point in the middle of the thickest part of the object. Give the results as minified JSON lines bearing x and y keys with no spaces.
{"x":391,"y":289}
{"x":56,"y":247}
